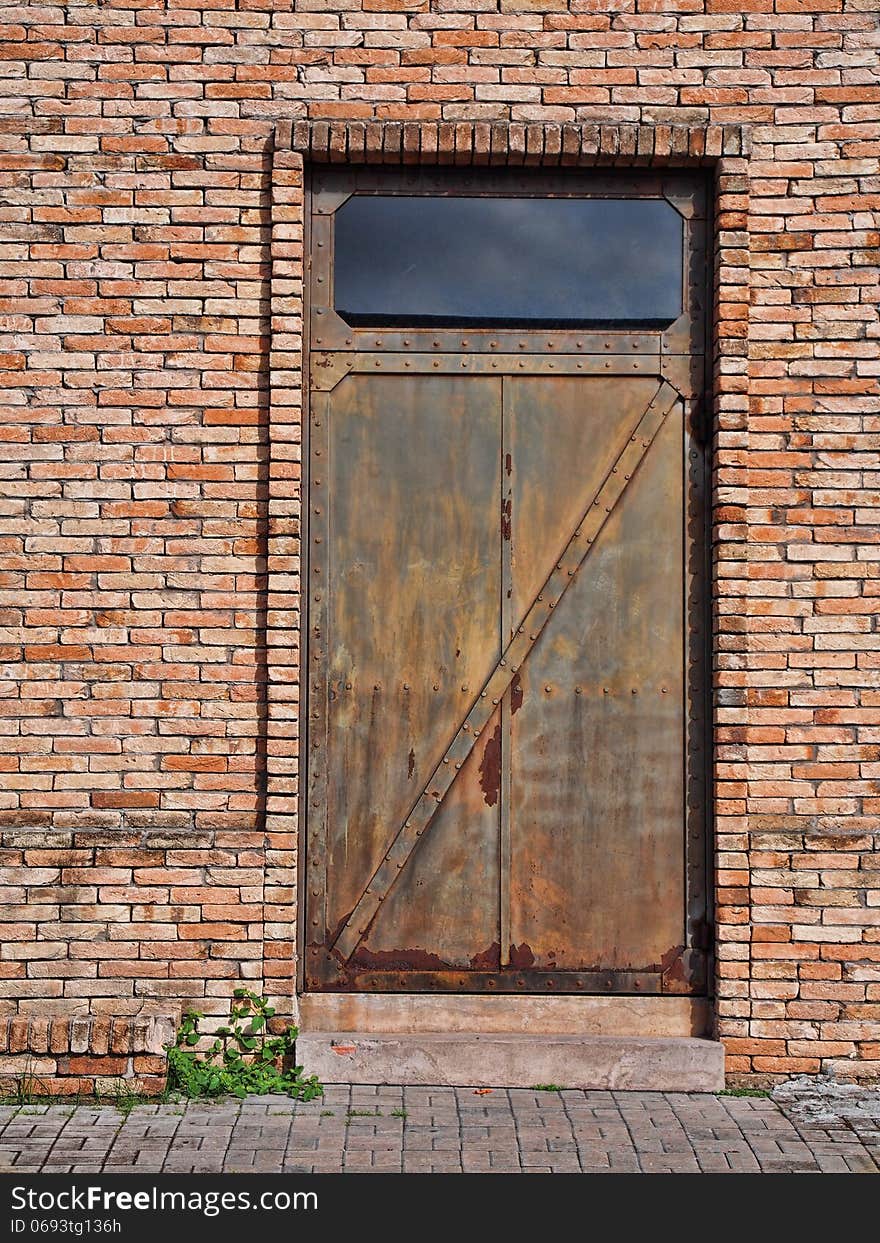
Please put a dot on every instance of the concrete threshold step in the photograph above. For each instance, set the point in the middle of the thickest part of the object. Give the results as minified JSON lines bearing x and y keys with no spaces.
{"x":461,"y":1059}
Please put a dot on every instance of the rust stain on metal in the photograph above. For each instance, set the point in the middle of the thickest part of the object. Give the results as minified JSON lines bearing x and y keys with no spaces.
{"x":508,"y":464}
{"x":487,"y":960}
{"x":505,"y":518}
{"x":490,"y":768}
{"x":396,"y":960}
{"x":516,"y":695}
{"x":411,"y":764}
{"x":521,"y":957}
{"x":672,"y":965}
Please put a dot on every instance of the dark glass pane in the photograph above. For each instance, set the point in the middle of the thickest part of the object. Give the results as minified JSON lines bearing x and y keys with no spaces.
{"x":547,"y":262}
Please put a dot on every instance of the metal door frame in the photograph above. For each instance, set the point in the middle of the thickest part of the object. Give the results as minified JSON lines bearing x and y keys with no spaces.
{"x":678,"y":354}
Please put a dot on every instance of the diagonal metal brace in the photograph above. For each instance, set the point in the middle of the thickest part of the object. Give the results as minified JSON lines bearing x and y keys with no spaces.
{"x":576,"y":552}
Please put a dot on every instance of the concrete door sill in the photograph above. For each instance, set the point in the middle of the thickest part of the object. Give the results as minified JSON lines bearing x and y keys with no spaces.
{"x":462,"y":1059}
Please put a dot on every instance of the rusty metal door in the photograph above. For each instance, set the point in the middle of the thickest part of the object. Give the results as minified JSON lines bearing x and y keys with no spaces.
{"x":506,"y":632}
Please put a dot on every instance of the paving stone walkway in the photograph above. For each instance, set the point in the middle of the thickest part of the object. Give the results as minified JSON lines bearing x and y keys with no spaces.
{"x":362,"y":1129}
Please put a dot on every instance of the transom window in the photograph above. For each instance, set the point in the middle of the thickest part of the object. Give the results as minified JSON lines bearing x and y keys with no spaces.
{"x":456,"y":260}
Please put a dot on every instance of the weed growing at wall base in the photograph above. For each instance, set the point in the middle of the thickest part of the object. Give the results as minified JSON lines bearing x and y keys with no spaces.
{"x":243,"y":1059}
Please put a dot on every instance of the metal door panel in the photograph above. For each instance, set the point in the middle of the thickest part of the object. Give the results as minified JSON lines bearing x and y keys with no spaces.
{"x":563,"y":435}
{"x":597,"y":742}
{"x":442,"y":913}
{"x":413,"y":570}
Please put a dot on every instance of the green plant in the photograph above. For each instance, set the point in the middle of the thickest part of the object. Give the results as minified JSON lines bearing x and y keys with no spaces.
{"x":398,"y":1113}
{"x":327,"y":1113}
{"x":365,"y":1113}
{"x":244,"y":1058}
{"x":547,"y":1087}
{"x":744,"y":1092}
{"x":30,"y":1088}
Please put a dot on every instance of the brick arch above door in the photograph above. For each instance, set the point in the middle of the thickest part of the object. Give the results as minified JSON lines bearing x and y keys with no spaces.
{"x":545,"y":145}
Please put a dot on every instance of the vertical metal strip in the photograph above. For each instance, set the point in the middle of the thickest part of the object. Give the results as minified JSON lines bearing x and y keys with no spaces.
{"x":689,"y":413}
{"x":506,"y":636}
{"x":302,"y":674}
{"x":320,"y":282}
{"x":318,"y":672}
{"x":697,"y":690}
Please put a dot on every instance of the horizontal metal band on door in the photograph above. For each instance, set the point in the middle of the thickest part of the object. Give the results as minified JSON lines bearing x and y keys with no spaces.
{"x":329,"y":367}
{"x":561,"y":982}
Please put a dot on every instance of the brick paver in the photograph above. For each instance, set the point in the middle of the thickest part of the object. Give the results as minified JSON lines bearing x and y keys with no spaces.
{"x":398,"y":1129}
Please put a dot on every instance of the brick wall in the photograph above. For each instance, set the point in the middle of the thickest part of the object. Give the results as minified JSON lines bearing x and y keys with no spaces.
{"x":143,"y":863}
{"x":83,"y":1056}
